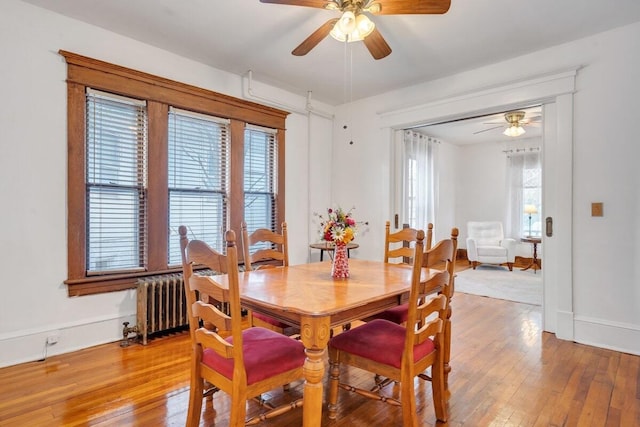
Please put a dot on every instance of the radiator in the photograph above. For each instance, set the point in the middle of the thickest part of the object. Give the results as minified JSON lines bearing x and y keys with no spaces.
{"x":162,"y":305}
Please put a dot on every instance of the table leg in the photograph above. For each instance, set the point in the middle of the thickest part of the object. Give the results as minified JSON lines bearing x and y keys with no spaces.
{"x":314,"y":333}
{"x":534,"y":265}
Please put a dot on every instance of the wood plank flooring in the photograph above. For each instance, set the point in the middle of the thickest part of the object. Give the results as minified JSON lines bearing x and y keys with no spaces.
{"x":506,"y":372}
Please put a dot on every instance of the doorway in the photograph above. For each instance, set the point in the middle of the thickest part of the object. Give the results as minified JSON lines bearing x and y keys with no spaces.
{"x":493,"y":161}
{"x":555,"y":94}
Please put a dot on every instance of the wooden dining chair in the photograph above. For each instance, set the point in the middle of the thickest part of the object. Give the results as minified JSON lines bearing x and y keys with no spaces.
{"x":441,"y":257}
{"x":266,"y":249}
{"x":400,"y":245}
{"x":397,"y":352}
{"x":265,"y":246}
{"x":242,"y":363}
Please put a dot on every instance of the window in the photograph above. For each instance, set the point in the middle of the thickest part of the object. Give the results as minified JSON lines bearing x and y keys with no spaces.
{"x":198,"y":172}
{"x":524,"y":183}
{"x":147,"y":154}
{"x":417,"y":175}
{"x":116,"y":183}
{"x":260,"y":180}
{"x":531,"y":196}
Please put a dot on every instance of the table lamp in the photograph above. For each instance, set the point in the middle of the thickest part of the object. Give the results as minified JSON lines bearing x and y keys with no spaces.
{"x":530,"y":209}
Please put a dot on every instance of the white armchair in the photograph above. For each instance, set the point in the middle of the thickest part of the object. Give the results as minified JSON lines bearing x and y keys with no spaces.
{"x":486,"y":244}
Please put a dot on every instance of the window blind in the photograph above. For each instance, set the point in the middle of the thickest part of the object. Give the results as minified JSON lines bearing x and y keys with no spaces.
{"x":260,"y":179}
{"x":198,"y":162}
{"x":116,"y":144}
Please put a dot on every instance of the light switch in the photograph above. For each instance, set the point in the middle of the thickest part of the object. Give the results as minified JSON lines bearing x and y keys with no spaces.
{"x":596,"y":209}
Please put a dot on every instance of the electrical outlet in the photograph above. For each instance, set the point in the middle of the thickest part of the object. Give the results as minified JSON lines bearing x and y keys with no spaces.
{"x":52,"y":339}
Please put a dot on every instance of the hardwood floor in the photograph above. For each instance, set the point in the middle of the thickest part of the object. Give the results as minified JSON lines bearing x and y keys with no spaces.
{"x":506,"y":372}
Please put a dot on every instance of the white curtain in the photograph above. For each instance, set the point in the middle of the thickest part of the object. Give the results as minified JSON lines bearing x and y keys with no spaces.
{"x":420,"y":179}
{"x":523,"y":188}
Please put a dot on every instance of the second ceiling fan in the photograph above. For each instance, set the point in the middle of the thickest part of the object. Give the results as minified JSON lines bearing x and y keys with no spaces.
{"x":355,"y":25}
{"x":515,"y":122}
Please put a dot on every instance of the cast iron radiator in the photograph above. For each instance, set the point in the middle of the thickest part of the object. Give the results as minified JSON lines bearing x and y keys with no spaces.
{"x":162,"y":305}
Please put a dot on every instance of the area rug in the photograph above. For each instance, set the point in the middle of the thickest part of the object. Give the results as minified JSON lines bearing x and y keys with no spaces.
{"x":499,"y":282}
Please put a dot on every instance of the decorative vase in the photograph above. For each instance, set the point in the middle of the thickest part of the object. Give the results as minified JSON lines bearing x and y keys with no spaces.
{"x":340,"y":266}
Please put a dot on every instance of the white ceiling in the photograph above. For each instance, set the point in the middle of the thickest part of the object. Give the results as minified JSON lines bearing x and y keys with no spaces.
{"x":487,"y":128}
{"x":242,"y":35}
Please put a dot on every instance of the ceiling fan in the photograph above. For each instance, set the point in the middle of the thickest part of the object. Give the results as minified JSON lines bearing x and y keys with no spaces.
{"x":355,"y":25}
{"x":515,"y":123}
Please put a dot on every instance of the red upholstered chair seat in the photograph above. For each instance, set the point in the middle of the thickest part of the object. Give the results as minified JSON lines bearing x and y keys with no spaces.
{"x":381,"y":341}
{"x":270,"y":320}
{"x":406,"y":236}
{"x":270,"y":247}
{"x":266,"y":354}
{"x":396,"y":353}
{"x":253,"y":360}
{"x":397,"y":314}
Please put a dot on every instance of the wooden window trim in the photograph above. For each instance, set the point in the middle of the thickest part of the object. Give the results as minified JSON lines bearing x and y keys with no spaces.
{"x":160,"y":93}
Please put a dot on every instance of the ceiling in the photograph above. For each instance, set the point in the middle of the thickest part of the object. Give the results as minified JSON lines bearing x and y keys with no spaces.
{"x":242,"y":35}
{"x":488,"y":128}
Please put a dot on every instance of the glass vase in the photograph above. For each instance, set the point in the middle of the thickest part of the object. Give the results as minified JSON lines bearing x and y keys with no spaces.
{"x":340,"y":266}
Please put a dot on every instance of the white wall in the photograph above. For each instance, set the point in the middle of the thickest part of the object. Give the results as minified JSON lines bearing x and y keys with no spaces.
{"x":481,"y":188}
{"x":606,"y":280}
{"x":322,"y":168}
{"x":450,"y":172}
{"x":481,"y":181}
{"x":33,"y":140}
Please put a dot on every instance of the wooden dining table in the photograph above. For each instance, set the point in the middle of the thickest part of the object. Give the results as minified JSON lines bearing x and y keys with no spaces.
{"x":308,"y":297}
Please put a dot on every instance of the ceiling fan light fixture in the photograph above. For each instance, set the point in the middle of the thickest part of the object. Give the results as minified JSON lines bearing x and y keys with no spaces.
{"x":514,"y":130}
{"x":347,"y":22}
{"x":332,"y":6}
{"x":373,"y":8}
{"x":337,"y":34}
{"x":361,"y":26}
{"x":364,"y":25}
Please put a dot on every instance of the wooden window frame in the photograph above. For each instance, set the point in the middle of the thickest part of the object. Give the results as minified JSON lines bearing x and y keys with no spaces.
{"x":160,"y":93}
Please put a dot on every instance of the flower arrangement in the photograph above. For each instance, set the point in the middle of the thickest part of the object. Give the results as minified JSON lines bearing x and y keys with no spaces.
{"x":339,"y":226}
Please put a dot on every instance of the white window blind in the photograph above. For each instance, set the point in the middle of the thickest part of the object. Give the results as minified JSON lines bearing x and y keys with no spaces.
{"x":116,"y":144}
{"x":198,"y":179}
{"x":260,"y":179}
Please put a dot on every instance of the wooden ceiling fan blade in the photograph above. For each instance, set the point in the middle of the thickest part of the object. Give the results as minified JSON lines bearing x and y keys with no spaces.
{"x":377,"y":45}
{"x":308,"y":3}
{"x":411,"y":7}
{"x":316,"y":37}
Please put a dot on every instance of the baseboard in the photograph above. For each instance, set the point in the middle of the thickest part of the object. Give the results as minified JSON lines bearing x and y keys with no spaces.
{"x":30,"y":346}
{"x":606,"y":334}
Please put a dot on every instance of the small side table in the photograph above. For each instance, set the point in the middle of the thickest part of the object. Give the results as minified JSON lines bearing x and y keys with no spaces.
{"x":328,"y":246}
{"x":535,"y":263}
